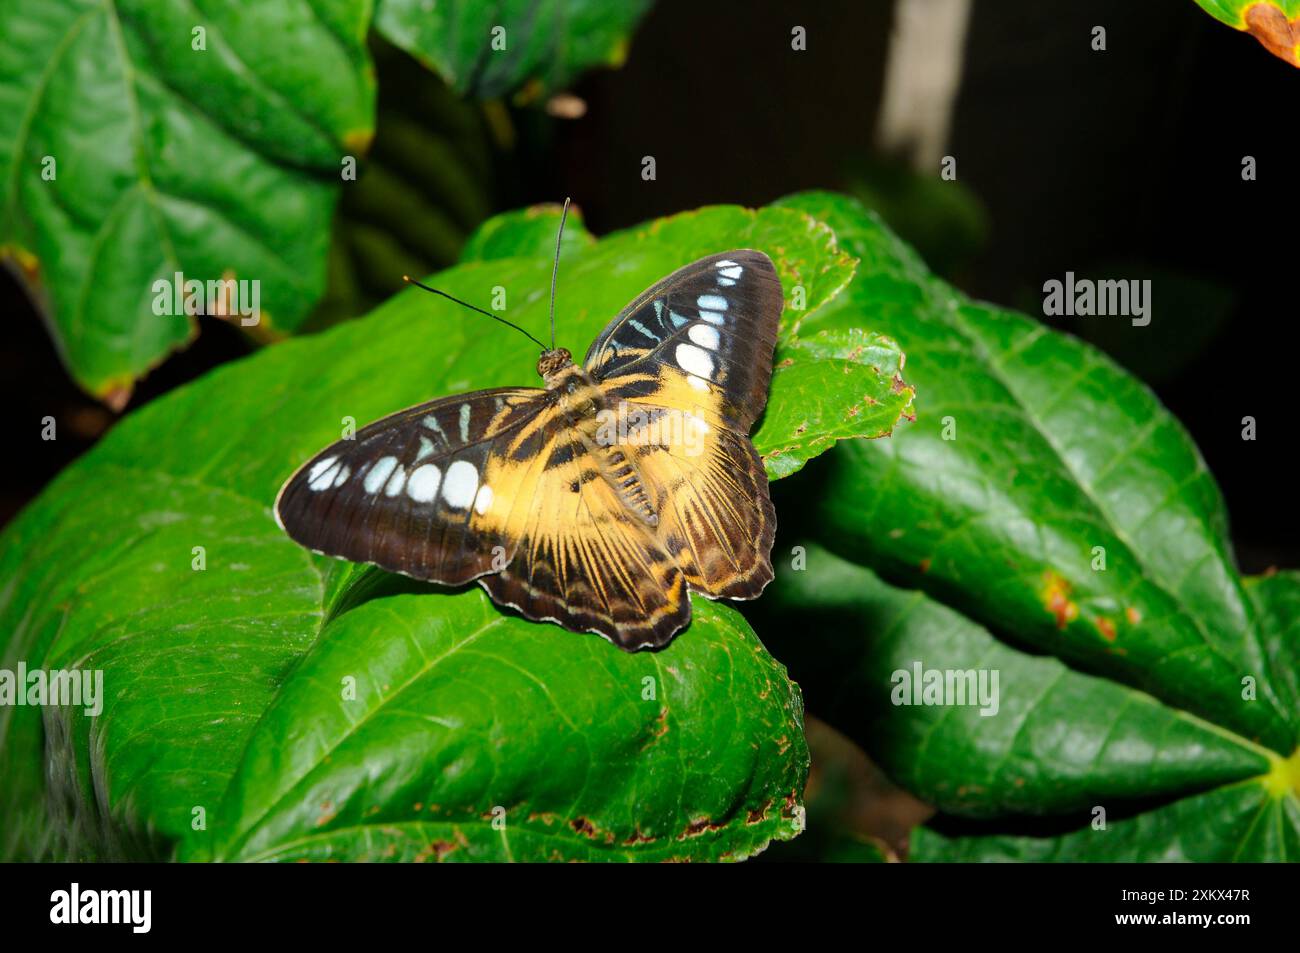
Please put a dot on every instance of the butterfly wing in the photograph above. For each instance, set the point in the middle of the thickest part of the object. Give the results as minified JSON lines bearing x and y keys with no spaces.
{"x":420,"y":492}
{"x":703,"y":338}
{"x":690,"y":362}
{"x":586,"y":561}
{"x":495,"y":486}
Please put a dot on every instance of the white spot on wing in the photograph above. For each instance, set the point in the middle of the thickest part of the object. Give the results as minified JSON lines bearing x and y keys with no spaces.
{"x":713,"y":317}
{"x":379,"y":473}
{"x":344,"y":473}
{"x":432,"y":423}
{"x":423,"y":483}
{"x":643,"y":329}
{"x":483,"y":500}
{"x":711,"y":302}
{"x":732,"y":273}
{"x":460,"y":484}
{"x":426,"y":448}
{"x":704,"y":336}
{"x":321,"y":473}
{"x":693,"y":360}
{"x":464,"y":423}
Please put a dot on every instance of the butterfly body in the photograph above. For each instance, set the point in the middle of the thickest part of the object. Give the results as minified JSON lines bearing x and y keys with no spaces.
{"x":597,"y":502}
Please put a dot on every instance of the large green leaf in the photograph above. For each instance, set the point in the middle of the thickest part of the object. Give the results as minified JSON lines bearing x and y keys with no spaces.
{"x":1275,"y":23}
{"x":489,"y":49}
{"x":225,"y":688}
{"x":1057,"y":459}
{"x":1033,"y":458}
{"x":1057,"y":743}
{"x":213,"y":162}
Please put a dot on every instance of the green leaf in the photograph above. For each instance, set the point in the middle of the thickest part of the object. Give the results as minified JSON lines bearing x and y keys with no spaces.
{"x":224,"y":687}
{"x":429,"y":180}
{"x":1033,"y":460}
{"x":1053,"y":742}
{"x":488,"y":50}
{"x":527,"y":233}
{"x":1156,"y":684}
{"x":213,"y":162}
{"x":1242,"y":822}
{"x":1275,"y":23}
{"x":470,"y":712}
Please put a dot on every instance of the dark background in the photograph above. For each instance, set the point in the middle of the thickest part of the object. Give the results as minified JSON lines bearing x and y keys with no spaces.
{"x":1124,"y":163}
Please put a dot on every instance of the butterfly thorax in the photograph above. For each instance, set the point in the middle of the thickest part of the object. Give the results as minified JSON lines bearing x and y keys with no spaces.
{"x":581,"y":400}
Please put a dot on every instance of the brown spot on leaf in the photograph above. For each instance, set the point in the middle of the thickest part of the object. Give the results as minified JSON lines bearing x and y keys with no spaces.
{"x":925,"y":564}
{"x":701,"y":825}
{"x":27,"y":263}
{"x":662,"y":722}
{"x":1133,"y":615}
{"x":436,"y":850}
{"x":637,"y":837}
{"x":117,"y":396}
{"x":1106,"y":628}
{"x":583,"y":826}
{"x":1269,"y":25}
{"x":788,"y":362}
{"x":327,"y":813}
{"x":1056,"y":598}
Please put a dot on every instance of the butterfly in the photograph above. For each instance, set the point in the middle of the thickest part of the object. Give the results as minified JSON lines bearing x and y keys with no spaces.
{"x":597,"y":502}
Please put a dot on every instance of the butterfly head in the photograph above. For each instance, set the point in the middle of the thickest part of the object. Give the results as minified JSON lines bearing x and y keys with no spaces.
{"x":552,"y":363}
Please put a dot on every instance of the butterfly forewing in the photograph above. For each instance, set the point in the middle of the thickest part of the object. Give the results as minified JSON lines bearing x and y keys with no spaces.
{"x":421,"y":492}
{"x":711,"y":326}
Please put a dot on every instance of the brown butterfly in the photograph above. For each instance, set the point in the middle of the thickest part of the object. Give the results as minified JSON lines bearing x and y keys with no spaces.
{"x":596,"y":503}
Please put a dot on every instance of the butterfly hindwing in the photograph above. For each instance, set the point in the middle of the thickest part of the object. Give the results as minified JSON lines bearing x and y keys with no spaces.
{"x":715,"y":514}
{"x":584,"y":560}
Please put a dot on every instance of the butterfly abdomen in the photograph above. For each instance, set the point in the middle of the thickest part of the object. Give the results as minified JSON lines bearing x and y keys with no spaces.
{"x":626,"y":480}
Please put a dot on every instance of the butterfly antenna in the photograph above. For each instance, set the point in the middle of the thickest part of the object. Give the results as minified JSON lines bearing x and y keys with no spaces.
{"x":556,"y":269}
{"x":494,"y":317}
